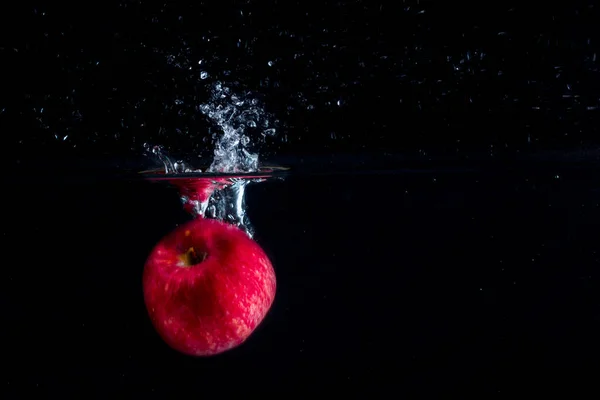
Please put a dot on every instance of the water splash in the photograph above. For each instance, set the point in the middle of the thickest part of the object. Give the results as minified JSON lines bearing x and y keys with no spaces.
{"x":160,"y":154}
{"x":218,"y":197}
{"x":228,"y":204}
{"x":238,"y":116}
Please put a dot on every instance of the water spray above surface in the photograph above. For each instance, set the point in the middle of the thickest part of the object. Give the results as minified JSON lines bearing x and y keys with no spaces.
{"x":238,"y":117}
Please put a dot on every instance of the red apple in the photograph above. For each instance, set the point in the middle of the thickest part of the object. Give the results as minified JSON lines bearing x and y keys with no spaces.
{"x":207,"y":286}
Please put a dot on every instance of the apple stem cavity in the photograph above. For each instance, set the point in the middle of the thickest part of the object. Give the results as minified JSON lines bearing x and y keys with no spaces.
{"x":192,"y":257}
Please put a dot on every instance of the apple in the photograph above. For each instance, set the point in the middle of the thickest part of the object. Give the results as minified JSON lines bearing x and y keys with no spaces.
{"x":207,"y":286}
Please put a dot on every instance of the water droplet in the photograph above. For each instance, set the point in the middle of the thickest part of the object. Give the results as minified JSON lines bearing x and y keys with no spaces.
{"x":237,"y":101}
{"x":179,"y":167}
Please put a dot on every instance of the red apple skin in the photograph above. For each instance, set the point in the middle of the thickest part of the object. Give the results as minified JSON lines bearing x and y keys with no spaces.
{"x":213,"y":306}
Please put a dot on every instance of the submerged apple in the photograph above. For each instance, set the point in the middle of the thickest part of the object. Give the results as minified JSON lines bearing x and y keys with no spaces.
{"x":207,"y":286}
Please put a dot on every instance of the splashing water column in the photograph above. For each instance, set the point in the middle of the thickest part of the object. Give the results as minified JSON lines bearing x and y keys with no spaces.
{"x":207,"y":284}
{"x":196,"y":193}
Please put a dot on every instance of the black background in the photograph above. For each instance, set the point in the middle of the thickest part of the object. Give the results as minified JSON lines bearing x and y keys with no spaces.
{"x":445,"y":243}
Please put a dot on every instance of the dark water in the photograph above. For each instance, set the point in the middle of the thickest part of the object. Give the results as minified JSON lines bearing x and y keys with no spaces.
{"x":437,"y":232}
{"x":423,"y":283}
